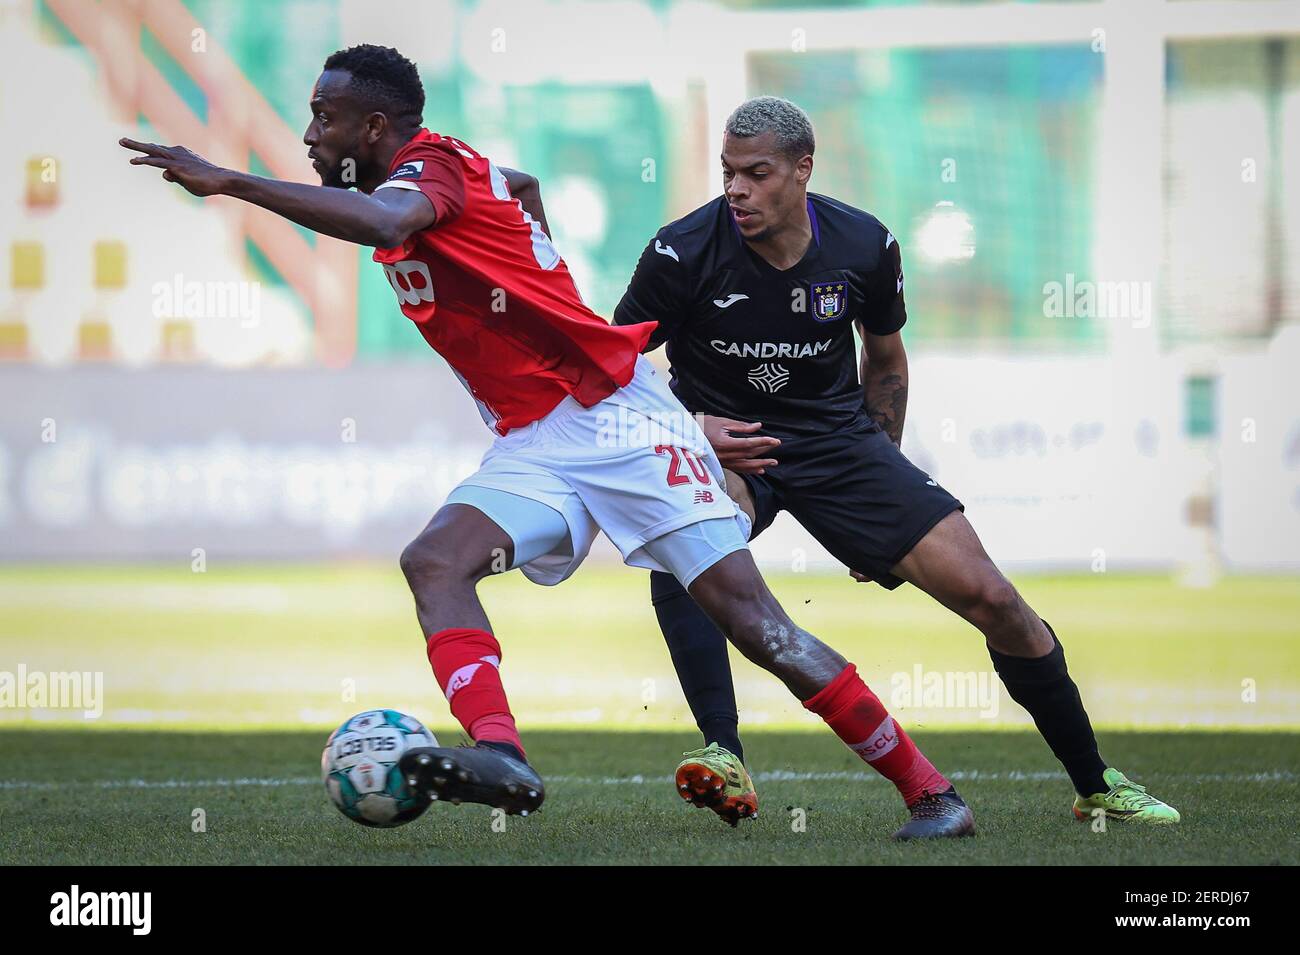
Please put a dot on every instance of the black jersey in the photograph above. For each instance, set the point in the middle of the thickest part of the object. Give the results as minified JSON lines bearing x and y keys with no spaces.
{"x":749,"y":341}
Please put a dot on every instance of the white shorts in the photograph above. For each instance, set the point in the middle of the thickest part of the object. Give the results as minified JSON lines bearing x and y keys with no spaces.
{"x":635,"y":466}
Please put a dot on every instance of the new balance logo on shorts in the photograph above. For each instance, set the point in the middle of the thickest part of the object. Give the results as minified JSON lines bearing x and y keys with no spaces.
{"x":462,"y":677}
{"x":880,"y":743}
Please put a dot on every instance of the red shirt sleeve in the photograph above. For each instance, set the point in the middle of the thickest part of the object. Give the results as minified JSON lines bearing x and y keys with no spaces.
{"x":436,"y":172}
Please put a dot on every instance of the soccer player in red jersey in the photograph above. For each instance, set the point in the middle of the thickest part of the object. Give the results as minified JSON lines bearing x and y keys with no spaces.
{"x":589,"y":438}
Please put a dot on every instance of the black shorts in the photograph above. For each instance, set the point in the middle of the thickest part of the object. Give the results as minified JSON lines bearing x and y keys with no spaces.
{"x":856,"y":493}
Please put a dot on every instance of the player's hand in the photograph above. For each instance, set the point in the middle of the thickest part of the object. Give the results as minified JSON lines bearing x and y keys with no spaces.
{"x":736,"y":452}
{"x":860,"y":577}
{"x":181,"y":165}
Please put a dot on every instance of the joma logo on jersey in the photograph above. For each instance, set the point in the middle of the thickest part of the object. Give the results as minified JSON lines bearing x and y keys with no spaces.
{"x":769,"y":349}
{"x":411,"y":281}
{"x":829,"y":300}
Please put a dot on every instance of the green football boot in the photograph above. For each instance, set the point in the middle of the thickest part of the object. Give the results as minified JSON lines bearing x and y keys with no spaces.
{"x":1125,"y":800}
{"x":716,"y":779}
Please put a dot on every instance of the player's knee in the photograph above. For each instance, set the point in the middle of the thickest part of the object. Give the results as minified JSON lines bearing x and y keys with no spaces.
{"x":419,"y":562}
{"x":734,"y":595}
{"x":760,"y":633}
{"x":743,"y":612}
{"x":994,"y":604}
{"x":427,"y":562}
{"x":746,"y":635}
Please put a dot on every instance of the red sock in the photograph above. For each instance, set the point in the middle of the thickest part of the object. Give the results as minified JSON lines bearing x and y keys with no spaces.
{"x":859,"y":718}
{"x":465,"y":663}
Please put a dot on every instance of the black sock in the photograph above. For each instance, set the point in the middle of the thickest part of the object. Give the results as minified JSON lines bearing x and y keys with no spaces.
{"x":699,"y":652}
{"x":501,"y":746}
{"x":1042,"y":685}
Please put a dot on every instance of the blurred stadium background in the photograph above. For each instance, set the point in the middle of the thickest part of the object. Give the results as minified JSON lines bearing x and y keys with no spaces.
{"x":218,"y":431}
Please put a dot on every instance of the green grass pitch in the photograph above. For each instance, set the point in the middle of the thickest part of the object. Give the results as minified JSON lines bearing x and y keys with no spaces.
{"x":219,"y":690}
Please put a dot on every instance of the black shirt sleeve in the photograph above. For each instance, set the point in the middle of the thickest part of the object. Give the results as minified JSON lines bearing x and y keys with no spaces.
{"x":885,"y":312}
{"x":656,"y":292}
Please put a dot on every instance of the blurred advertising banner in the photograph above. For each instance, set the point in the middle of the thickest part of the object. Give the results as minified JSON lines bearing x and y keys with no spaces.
{"x":1074,"y":464}
{"x":113,"y":462}
{"x":1259,"y":457}
{"x":1071,"y":463}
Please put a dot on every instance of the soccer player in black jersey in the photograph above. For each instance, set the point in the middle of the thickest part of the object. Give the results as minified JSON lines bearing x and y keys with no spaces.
{"x":757,"y":295}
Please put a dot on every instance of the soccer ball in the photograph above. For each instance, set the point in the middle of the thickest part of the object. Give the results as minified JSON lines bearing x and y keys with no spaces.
{"x":359,"y":767}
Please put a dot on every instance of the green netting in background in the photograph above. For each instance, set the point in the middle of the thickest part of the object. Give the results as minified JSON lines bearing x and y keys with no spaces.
{"x":595,"y":135}
{"x":1006,"y":136}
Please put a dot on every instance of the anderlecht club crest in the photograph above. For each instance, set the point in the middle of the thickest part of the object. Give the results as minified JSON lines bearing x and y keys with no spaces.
{"x":829,"y":299}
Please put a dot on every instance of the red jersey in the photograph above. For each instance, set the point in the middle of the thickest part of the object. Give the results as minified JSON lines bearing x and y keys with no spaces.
{"x":490,"y":293}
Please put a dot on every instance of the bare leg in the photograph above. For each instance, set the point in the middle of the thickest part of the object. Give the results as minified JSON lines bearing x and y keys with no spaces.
{"x":444,"y":564}
{"x":950,"y":565}
{"x":737,"y":599}
{"x":733,"y":594}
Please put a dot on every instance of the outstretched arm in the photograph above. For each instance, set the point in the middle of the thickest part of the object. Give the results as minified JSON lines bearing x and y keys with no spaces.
{"x":384,"y":219}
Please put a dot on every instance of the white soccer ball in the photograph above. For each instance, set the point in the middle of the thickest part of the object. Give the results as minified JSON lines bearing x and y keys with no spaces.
{"x":359,"y":767}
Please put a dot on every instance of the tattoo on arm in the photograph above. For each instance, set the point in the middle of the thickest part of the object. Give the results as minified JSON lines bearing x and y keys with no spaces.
{"x":887,"y":403}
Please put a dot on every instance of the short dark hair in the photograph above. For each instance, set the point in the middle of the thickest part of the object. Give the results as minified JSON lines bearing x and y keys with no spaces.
{"x":793,"y":128}
{"x":384,"y":78}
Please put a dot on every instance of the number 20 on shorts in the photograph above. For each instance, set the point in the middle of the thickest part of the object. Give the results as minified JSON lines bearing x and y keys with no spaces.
{"x":675,"y":457}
